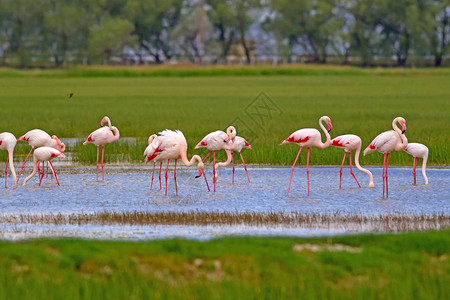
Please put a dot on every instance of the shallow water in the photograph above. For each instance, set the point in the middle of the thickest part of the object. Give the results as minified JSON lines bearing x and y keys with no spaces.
{"x":128,"y":189}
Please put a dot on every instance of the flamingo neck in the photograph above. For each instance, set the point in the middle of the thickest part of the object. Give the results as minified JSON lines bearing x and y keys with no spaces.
{"x":109,"y":121}
{"x":328,"y":140}
{"x":116,"y":132}
{"x":35,"y":160}
{"x":424,"y":166}
{"x":225,"y":163}
{"x":11,"y":167}
{"x":194,"y":158}
{"x":358,"y":150}
{"x":402,"y":136}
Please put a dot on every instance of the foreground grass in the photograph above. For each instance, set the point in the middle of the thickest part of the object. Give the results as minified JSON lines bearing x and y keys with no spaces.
{"x":362,"y":102}
{"x":402,"y":266}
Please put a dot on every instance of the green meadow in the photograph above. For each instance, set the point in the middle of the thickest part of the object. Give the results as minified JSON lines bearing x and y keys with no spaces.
{"x":142,"y":101}
{"x":391,"y":266}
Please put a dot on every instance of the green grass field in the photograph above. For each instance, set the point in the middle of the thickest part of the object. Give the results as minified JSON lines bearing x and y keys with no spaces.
{"x":197,"y":101}
{"x":398,"y":266}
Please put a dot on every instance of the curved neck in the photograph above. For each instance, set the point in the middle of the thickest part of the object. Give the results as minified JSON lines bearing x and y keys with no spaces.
{"x":11,"y":167}
{"x":34,"y":170}
{"x":424,"y":166}
{"x":109,"y":121}
{"x":327,"y":142}
{"x":371,"y":185}
{"x":116,"y":132}
{"x":194,"y":158}
{"x":225,"y":163}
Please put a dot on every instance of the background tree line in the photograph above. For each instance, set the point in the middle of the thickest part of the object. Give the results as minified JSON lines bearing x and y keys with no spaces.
{"x":364,"y":32}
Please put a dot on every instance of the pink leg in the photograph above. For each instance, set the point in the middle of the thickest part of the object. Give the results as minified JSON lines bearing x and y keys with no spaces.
{"x":175,"y":177}
{"x":245,"y":167}
{"x":384,"y":173}
{"x":214,"y":170}
{"x":46,"y":172}
{"x":207,"y":156}
{"x":6,"y":170}
{"x":41,"y":176}
{"x":351,"y":170}
{"x":103,"y":151}
{"x":54,"y":172}
{"x":340,"y":171}
{"x":292,"y":171}
{"x":24,"y":164}
{"x":160,"y":170}
{"x":167,"y":169}
{"x":98,"y":147}
{"x":387,"y":181}
{"x":307,"y":168}
{"x":414,"y":169}
{"x":153,"y":174}
{"x":232,"y":160}
{"x":207,"y":185}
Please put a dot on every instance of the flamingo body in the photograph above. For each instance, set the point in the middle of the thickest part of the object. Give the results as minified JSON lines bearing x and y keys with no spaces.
{"x":43,"y":154}
{"x":350,"y":142}
{"x":8,"y":142}
{"x":418,"y":150}
{"x":214,"y":141}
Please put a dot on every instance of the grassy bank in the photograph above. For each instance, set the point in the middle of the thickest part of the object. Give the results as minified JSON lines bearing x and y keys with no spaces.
{"x":400,"y":266}
{"x":359,"y":101}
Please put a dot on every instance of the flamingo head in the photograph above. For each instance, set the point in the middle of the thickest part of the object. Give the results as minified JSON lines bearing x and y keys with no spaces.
{"x":104,"y":120}
{"x":328,"y":121}
{"x":231,"y":132}
{"x":403,"y":123}
{"x":200,"y":167}
{"x":151,"y":138}
{"x":60,"y":146}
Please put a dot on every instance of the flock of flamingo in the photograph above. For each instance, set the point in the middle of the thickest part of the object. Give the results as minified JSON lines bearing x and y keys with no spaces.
{"x":172,"y":145}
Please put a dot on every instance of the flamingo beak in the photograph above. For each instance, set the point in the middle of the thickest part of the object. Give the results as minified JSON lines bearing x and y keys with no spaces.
{"x":227,"y":140}
{"x":330,"y":127}
{"x":403,"y":128}
{"x":199,"y":174}
{"x":62,"y":155}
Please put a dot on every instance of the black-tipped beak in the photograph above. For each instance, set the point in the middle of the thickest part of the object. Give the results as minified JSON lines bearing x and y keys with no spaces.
{"x":403,"y":131}
{"x":198,"y":176}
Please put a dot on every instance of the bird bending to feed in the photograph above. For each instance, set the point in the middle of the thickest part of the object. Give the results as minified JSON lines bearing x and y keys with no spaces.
{"x":8,"y":142}
{"x":38,"y":138}
{"x":238,"y":143}
{"x":418,"y":150}
{"x":386,"y":142}
{"x":216,"y":141}
{"x":172,"y":145}
{"x":43,"y":154}
{"x":309,"y":137}
{"x":350,"y":142}
{"x":101,"y":137}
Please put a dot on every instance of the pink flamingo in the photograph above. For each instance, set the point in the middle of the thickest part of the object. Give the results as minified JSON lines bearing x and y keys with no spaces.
{"x":38,"y":138}
{"x":418,"y":150}
{"x":101,"y":137}
{"x":350,"y":142}
{"x":8,"y":142}
{"x":216,"y":141}
{"x":172,"y":145}
{"x":308,"y":137}
{"x":44,"y":154}
{"x":386,"y":142}
{"x":238,"y":143}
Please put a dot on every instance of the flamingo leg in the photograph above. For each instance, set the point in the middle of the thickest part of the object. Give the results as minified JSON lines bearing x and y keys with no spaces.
{"x":175,"y":177}
{"x":41,"y":176}
{"x":245,"y":167}
{"x":167,"y":170}
{"x":384,"y":173}
{"x":351,"y":169}
{"x":98,"y":147}
{"x":53,"y":172}
{"x":6,"y":170}
{"x":207,"y":156}
{"x":214,"y":170}
{"x":292,"y":171}
{"x":207,"y":185}
{"x":414,"y":169}
{"x":23,"y":165}
{"x":160,"y":170}
{"x":387,"y":181}
{"x":153,"y":174}
{"x":340,"y":171}
{"x":307,"y":168}
{"x":103,"y":151}
{"x":232,"y":160}
{"x":39,"y":170}
{"x":46,"y":172}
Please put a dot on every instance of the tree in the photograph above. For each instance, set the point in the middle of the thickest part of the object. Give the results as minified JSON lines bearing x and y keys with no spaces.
{"x":110,"y":38}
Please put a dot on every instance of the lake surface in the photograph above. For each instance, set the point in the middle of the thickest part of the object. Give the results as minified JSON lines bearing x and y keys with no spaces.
{"x":127,"y":189}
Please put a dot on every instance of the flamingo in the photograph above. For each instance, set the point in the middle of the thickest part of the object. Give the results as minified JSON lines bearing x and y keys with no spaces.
{"x":216,"y":141}
{"x":238,"y":143}
{"x":44,"y":154}
{"x":172,"y":145}
{"x":386,"y":142}
{"x":350,"y":142}
{"x":39,"y":138}
{"x":418,"y":150}
{"x":308,"y":137}
{"x":101,"y":137}
{"x":8,"y":142}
